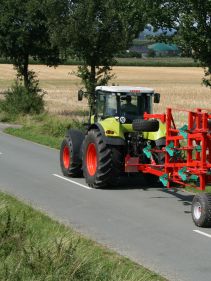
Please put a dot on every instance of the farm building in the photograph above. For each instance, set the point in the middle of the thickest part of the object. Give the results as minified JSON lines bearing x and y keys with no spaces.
{"x":148,"y":48}
{"x":162,"y":49}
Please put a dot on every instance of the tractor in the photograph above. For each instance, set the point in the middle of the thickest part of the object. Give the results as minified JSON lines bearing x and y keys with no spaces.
{"x":113,"y":132}
{"x":123,"y":136}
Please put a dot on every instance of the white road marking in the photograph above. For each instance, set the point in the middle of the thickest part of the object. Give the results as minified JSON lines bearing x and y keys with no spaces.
{"x":202,"y":233}
{"x":75,"y":182}
{"x":1,"y":153}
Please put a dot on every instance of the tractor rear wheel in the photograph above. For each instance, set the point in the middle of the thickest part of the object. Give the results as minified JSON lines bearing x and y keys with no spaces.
{"x":102,"y":164}
{"x":201,"y":210}
{"x":70,"y":160}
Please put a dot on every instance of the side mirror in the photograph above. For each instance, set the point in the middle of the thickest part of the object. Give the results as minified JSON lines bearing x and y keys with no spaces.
{"x":80,"y":95}
{"x":156,"y":98}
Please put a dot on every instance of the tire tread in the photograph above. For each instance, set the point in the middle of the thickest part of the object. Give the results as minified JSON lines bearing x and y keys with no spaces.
{"x":110,"y":161}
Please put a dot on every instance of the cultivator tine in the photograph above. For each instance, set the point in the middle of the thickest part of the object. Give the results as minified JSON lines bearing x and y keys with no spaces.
{"x":184,"y":131}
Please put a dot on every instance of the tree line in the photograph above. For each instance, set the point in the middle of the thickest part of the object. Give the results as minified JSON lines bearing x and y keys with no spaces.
{"x":94,"y":31}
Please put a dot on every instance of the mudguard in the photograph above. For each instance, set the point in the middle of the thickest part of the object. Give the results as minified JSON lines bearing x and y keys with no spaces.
{"x":76,"y":138}
{"x":111,"y":140}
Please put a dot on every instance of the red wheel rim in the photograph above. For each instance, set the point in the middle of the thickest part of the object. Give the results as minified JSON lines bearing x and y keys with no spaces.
{"x":66,"y":157}
{"x":91,"y":159}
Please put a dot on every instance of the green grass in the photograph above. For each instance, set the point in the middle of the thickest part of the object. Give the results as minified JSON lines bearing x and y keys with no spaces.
{"x":35,"y":247}
{"x":194,"y":190}
{"x":30,"y":133}
{"x":158,"y":62}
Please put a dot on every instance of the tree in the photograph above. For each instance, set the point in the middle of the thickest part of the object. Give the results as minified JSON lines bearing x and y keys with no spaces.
{"x":195,"y":32}
{"x":24,"y":33}
{"x":98,"y":30}
{"x":192,"y":21}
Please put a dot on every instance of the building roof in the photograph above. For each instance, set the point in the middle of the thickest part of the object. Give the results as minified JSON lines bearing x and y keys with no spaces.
{"x":162,"y":47}
{"x":125,"y":89}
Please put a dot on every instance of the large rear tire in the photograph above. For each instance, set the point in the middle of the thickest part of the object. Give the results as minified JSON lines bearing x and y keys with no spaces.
{"x":102,"y":164}
{"x":70,"y":154}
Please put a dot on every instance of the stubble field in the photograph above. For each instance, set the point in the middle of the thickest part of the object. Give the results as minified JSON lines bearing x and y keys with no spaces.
{"x":179,"y":87}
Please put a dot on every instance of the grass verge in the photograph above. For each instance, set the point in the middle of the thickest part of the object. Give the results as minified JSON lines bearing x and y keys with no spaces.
{"x":34,"y":247}
{"x":44,"y":128}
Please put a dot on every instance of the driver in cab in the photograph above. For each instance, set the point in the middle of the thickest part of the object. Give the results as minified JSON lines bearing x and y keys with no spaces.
{"x":128,"y":107}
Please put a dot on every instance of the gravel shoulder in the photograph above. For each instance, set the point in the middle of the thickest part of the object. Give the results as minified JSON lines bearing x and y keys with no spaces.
{"x":4,"y":126}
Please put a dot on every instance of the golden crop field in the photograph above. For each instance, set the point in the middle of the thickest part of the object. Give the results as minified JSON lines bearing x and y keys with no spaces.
{"x":179,"y":87}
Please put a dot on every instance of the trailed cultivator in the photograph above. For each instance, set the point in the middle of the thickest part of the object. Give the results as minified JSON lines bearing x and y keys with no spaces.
{"x":187,"y":151}
{"x":123,"y":136}
{"x":187,"y":155}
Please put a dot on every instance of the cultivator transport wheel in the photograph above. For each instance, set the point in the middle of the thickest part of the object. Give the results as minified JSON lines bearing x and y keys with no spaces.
{"x":70,"y":158}
{"x":101,"y":163}
{"x":201,"y":210}
{"x":141,"y":125}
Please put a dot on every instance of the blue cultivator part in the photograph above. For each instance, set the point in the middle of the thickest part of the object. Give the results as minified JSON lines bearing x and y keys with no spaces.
{"x":147,"y":151}
{"x":183,"y":132}
{"x":164,"y":179}
{"x":193,"y":178}
{"x":170,"y":149}
{"x":198,"y":148}
{"x":183,"y":174}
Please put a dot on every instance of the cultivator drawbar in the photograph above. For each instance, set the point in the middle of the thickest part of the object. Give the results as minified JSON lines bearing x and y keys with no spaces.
{"x":187,"y":154}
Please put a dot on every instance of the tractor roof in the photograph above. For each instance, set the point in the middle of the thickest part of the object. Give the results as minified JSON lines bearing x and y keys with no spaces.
{"x":125,"y":89}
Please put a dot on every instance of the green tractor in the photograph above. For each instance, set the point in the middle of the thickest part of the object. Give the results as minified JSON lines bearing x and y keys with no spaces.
{"x":116,"y":129}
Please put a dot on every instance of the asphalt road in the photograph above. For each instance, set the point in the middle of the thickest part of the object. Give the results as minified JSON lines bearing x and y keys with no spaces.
{"x":149,"y":225}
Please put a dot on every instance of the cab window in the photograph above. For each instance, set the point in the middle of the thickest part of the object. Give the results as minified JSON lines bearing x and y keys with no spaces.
{"x":106,"y":105}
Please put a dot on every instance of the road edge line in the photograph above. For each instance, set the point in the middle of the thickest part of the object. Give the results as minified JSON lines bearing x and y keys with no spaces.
{"x":75,"y":182}
{"x":202,"y":233}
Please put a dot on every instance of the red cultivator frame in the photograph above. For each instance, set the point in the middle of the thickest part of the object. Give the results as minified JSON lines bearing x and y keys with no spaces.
{"x":187,"y":158}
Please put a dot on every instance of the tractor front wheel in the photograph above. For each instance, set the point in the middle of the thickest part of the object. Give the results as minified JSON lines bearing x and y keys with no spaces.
{"x":102,"y":164}
{"x":201,"y":210}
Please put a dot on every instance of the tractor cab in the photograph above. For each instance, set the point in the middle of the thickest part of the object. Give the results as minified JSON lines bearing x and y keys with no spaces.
{"x":127,"y":103}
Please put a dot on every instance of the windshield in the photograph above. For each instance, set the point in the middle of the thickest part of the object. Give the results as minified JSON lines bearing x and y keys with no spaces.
{"x":133,"y":107}
{"x":123,"y":104}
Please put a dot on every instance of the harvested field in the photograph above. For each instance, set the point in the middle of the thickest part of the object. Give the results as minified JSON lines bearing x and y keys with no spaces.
{"x":179,"y":87}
